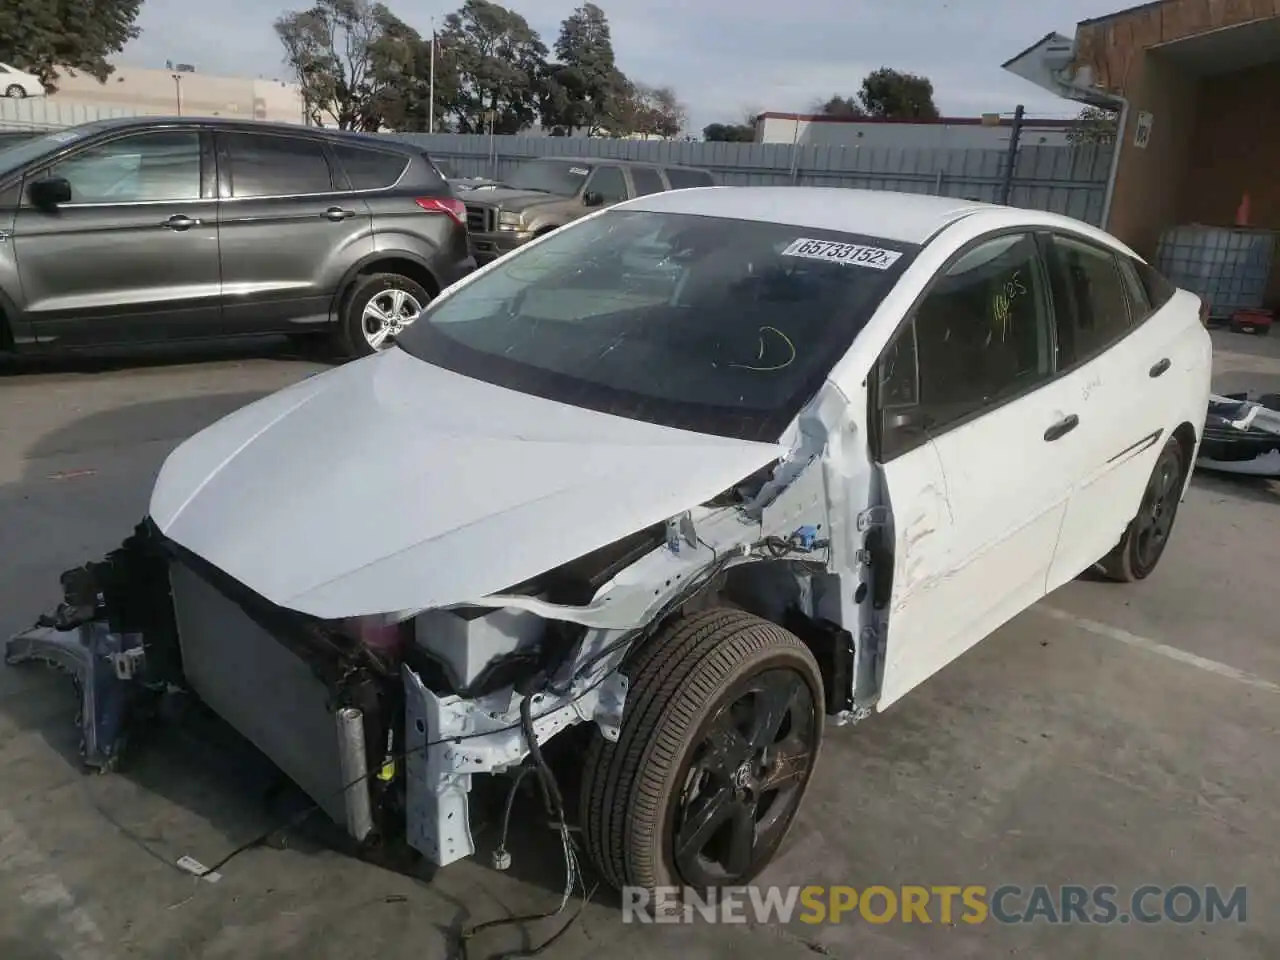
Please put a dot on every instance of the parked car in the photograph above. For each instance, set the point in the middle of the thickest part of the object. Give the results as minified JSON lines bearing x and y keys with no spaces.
{"x":543,"y":194}
{"x":144,"y":229}
{"x":18,"y":83}
{"x":706,"y":473}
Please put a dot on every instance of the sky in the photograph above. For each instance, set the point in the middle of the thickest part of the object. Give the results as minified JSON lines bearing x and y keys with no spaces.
{"x":724,"y":58}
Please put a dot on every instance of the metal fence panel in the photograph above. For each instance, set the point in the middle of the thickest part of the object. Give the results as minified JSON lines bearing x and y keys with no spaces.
{"x":1067,"y":180}
{"x":41,"y":113}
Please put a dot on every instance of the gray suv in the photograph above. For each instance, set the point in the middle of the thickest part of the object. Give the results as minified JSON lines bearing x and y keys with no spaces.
{"x":145,"y":229}
{"x":549,"y":192}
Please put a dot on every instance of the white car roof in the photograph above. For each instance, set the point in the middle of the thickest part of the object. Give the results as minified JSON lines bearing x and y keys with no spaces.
{"x":887,"y":214}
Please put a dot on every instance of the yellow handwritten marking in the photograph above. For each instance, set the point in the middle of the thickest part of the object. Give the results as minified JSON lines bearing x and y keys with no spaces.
{"x":760,"y":354}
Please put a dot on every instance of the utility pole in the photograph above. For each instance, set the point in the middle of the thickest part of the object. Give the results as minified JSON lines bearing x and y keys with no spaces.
{"x":1015,"y":133}
{"x":431,"y":96}
{"x":177,"y":87}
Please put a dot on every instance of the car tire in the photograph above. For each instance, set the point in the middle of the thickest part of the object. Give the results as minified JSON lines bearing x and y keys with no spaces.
{"x":636,"y":797}
{"x":1147,"y":535}
{"x":383,"y":291}
{"x":15,"y":91}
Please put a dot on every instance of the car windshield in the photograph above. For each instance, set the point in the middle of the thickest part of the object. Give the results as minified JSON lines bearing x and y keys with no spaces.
{"x":714,"y":325}
{"x":561,"y":177}
{"x":17,"y":155}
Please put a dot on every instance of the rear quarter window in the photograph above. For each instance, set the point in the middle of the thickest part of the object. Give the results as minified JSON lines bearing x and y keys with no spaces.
{"x":682,"y":177}
{"x":646,"y":181}
{"x":370,"y":169}
{"x":1159,"y":288}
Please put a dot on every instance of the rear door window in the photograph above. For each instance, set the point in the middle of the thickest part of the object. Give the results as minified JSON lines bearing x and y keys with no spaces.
{"x":646,"y":180}
{"x":1160,"y":289}
{"x":682,"y":177}
{"x":608,"y":182}
{"x":370,"y":169}
{"x":264,"y":165}
{"x":1092,"y":301}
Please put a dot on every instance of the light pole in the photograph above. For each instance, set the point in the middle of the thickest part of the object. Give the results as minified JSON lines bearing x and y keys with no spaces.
{"x":177,"y":88}
{"x":431,"y":95}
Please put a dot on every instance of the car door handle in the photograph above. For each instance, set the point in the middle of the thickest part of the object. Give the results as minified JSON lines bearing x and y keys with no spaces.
{"x":337,"y":213}
{"x":180,"y":222}
{"x":1160,"y":367}
{"x":1062,"y":428}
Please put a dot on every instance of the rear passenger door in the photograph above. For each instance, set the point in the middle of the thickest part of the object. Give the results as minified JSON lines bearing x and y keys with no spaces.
{"x":1114,"y":358}
{"x":977,"y":456}
{"x":289,"y":226}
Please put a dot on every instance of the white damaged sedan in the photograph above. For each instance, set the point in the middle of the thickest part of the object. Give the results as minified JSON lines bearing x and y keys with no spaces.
{"x":693,"y":476}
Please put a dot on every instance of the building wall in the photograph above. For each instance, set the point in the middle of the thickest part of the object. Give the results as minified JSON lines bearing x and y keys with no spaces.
{"x":971,"y":135}
{"x":156,"y":93}
{"x":1236,"y":150}
{"x":1151,"y":181}
{"x":1211,"y":138}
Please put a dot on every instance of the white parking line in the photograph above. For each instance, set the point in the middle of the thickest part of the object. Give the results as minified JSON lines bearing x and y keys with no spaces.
{"x":1155,"y":646}
{"x":72,"y":932}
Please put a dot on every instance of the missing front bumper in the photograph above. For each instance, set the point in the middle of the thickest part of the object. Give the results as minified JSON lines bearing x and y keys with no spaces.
{"x":106,"y":668}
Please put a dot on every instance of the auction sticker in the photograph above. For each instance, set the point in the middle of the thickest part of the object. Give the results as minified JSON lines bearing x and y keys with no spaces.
{"x":848,"y":253}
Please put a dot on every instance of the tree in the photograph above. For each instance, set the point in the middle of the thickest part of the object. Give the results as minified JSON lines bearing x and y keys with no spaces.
{"x":42,"y":35}
{"x":581,"y":88}
{"x":1094,"y":125}
{"x":352,"y":60}
{"x":729,"y":133}
{"x":892,"y":95}
{"x":500,"y":66}
{"x":651,"y":111}
{"x":838,"y":106}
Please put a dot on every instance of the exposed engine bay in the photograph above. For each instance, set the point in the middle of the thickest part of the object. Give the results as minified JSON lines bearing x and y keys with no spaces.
{"x":383,"y":720}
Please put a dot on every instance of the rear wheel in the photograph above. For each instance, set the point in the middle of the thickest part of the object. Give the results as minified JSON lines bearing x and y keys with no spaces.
{"x":15,"y":91}
{"x":719,"y":738}
{"x":380,"y":307}
{"x":1143,"y":543}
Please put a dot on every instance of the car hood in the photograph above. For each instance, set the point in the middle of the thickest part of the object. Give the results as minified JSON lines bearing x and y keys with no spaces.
{"x":389,"y":484}
{"x":508,"y":198}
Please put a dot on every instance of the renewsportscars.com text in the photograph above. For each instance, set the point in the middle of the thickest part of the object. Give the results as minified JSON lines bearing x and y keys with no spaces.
{"x":972,"y":904}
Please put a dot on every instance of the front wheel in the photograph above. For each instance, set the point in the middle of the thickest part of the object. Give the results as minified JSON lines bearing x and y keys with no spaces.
{"x":15,"y":91}
{"x":1143,"y":543}
{"x":720,"y":736}
{"x":379,"y":309}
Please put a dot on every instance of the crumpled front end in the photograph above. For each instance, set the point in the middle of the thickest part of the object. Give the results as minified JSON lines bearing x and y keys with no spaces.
{"x":383,"y":718}
{"x":150,"y":618}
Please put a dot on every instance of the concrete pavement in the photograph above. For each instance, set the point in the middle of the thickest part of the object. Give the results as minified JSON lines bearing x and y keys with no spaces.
{"x":1118,"y":735}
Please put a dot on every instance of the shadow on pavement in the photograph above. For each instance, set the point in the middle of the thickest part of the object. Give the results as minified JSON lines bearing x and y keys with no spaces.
{"x":107,"y":359}
{"x":140,"y":423}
